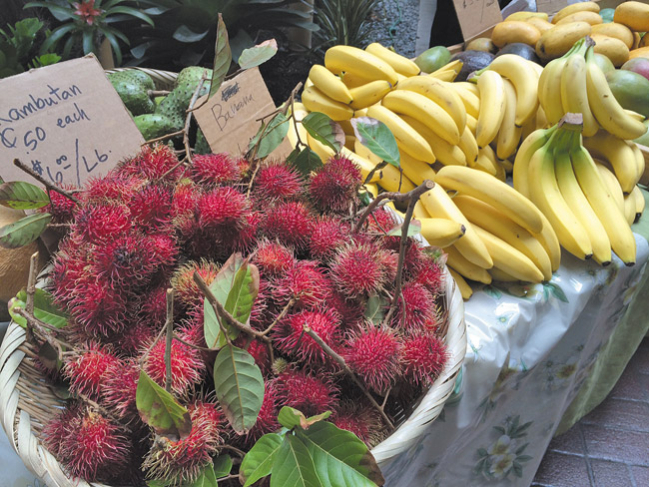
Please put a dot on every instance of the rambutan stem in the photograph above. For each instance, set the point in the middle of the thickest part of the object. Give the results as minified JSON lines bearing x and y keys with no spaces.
{"x":341,"y":361}
{"x":45,"y":182}
{"x":102,"y":410}
{"x":31,"y":283}
{"x":222,"y":312}
{"x":169,"y":326}
{"x":190,"y":113}
{"x":279,"y":317}
{"x":241,"y":453}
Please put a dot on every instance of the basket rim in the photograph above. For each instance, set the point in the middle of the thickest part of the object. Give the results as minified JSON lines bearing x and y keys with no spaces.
{"x":17,"y":421}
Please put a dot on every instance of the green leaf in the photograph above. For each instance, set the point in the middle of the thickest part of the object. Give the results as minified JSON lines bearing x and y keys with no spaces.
{"x":20,"y":195}
{"x":239,"y":387}
{"x":207,"y":478}
{"x":378,"y":138}
{"x":159,"y":409}
{"x":222,"y":57}
{"x":307,"y":161}
{"x":374,"y":311}
{"x":414,"y":228}
{"x":222,"y":466}
{"x":257,"y":55}
{"x":290,"y":417}
{"x":258,"y":462}
{"x":133,"y":12}
{"x":325,"y":130}
{"x":271,"y":135}
{"x":340,"y":458}
{"x":293,"y":466}
{"x":245,"y":288}
{"x":44,"y":309}
{"x":185,"y":34}
{"x":24,"y":231}
{"x":557,"y":292}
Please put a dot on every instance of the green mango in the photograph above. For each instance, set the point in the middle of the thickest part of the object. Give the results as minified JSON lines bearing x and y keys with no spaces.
{"x":630,"y":89}
{"x":153,"y":125}
{"x":432,"y":59}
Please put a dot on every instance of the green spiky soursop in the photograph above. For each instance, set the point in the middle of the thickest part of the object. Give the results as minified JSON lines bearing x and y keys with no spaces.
{"x":176,"y":103}
{"x":153,"y":125}
{"x":133,"y":89}
{"x":192,"y":76}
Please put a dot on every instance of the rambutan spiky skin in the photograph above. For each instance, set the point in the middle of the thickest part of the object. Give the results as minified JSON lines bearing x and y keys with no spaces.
{"x":187,"y":367}
{"x":154,"y":163}
{"x":119,"y":388}
{"x":60,"y":207}
{"x":184,"y":207}
{"x":54,"y":431}
{"x":181,"y":462}
{"x":356,"y":271}
{"x":163,"y":250}
{"x":289,"y":223}
{"x":305,"y":283}
{"x":133,"y":339}
{"x":223,"y":208}
{"x":362,"y":419}
{"x":277,"y":181}
{"x":374,"y":355}
{"x":308,"y":393}
{"x":329,"y":235}
{"x":351,"y":312}
{"x":98,"y":224}
{"x":334,"y":186}
{"x":153,"y":306}
{"x":424,"y":356}
{"x":416,"y":308}
{"x":273,"y":258}
{"x":259,"y":351}
{"x":97,"y":306}
{"x":125,"y":261}
{"x":111,"y":188}
{"x":151,"y":208}
{"x":186,"y":291}
{"x":290,"y":338}
{"x":214,"y":169}
{"x":381,"y":221}
{"x":88,"y":370}
{"x":93,"y":447}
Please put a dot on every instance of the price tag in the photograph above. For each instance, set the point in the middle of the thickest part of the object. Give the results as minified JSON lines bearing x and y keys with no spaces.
{"x":65,"y":121}
{"x":477,"y":16}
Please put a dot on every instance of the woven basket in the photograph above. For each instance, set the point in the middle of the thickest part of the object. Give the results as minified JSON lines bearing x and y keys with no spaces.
{"x":163,"y":80}
{"x":27,"y":402}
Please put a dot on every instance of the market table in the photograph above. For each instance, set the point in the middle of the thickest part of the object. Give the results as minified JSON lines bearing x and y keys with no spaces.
{"x":539,"y":358}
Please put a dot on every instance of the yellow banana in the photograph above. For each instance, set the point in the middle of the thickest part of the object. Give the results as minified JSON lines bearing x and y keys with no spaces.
{"x":419,"y":211}
{"x":629,"y":208}
{"x":550,"y":90}
{"x":348,"y":59}
{"x":486,"y":161}
{"x":330,"y":84}
{"x":445,"y":153}
{"x":370,"y":93}
{"x":462,"y":285}
{"x":486,"y":216}
{"x":391,"y":179}
{"x":639,"y":159}
{"x":471,"y":123}
{"x":316,"y":101}
{"x":441,"y":232}
{"x":468,"y":86}
{"x":425,"y":110}
{"x":410,"y":140}
{"x":576,"y":200}
{"x":399,"y":63}
{"x":530,"y":145}
{"x":449,"y":71}
{"x":469,"y":146}
{"x":438,"y":204}
{"x":470,"y":100}
{"x":509,"y":134}
{"x":617,"y":229}
{"x":492,"y":107}
{"x":438,"y":92}
{"x":365,"y":152}
{"x":550,"y":242}
{"x":465,"y":267}
{"x":498,"y":194}
{"x":498,"y":274}
{"x":417,"y":171}
{"x":611,"y":182}
{"x":619,"y":154}
{"x":574,"y":95}
{"x":639,"y":202}
{"x":509,"y":259}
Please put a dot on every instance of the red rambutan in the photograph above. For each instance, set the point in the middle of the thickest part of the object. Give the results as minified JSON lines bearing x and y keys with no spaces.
{"x":335,"y":185}
{"x":373,"y":354}
{"x":151,"y":208}
{"x":300,"y":390}
{"x":186,"y":291}
{"x":223,"y":209}
{"x":356,"y":271}
{"x":67,"y":268}
{"x":111,"y":188}
{"x":87,"y":370}
{"x":181,"y":462}
{"x":98,"y":307}
{"x":60,"y":207}
{"x":119,"y":388}
{"x":329,"y":235}
{"x":258,"y":315}
{"x":382,"y":221}
{"x":290,"y":338}
{"x":290,"y":224}
{"x":351,"y":311}
{"x":133,"y":339}
{"x":184,"y":207}
{"x":430,"y":273}
{"x":54,"y":431}
{"x":424,"y":356}
{"x":163,"y":250}
{"x":277,"y":181}
{"x":125,"y":260}
{"x":153,"y":163}
{"x":187,"y":366}
{"x":98,"y":224}
{"x":306,"y":283}
{"x":153,"y":306}
{"x":415,"y":308}
{"x":273,"y":259}
{"x":214,"y":169}
{"x":362,"y":419}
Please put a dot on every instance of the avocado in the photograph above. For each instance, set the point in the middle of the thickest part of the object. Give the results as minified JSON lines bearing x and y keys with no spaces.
{"x":134,"y":96}
{"x":432,"y":59}
{"x":630,"y":89}
{"x":153,"y":125}
{"x":520,"y":49}
{"x":473,"y":61}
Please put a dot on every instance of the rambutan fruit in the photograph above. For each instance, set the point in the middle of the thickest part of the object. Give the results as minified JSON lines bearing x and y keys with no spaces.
{"x":216,"y":169}
{"x":290,"y":224}
{"x":306,"y":283}
{"x":187,"y":366}
{"x":382,"y":221}
{"x":97,"y":306}
{"x":151,"y":208}
{"x":186,"y":291}
{"x":184,"y":207}
{"x":111,"y":188}
{"x":329,"y":235}
{"x":424,"y":356}
{"x":290,"y":338}
{"x":124,"y":261}
{"x":277,"y":181}
{"x":259,"y":351}
{"x":415,"y":308}
{"x":273,"y":258}
{"x":308,"y":393}
{"x":334,"y":186}
{"x":60,"y":207}
{"x":100,"y":223}
{"x":374,"y":355}
{"x":154,"y":163}
{"x":133,"y":339}
{"x":350,"y":311}
{"x":87,"y":370}
{"x":430,"y":273}
{"x":153,"y":306}
{"x":362,"y":419}
{"x":67,"y":268}
{"x":180,"y":462}
{"x":258,"y":315}
{"x":223,"y":209}
{"x":163,"y":250}
{"x":356,"y":271}
{"x":119,"y":388}
{"x":55,"y":430}
{"x":94,"y":447}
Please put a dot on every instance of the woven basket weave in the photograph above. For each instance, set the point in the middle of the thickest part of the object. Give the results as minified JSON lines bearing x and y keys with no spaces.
{"x":163,"y":80}
{"x":27,"y":402}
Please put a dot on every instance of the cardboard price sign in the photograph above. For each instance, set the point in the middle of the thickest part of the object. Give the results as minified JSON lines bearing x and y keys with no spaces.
{"x":65,"y":121}
{"x":476,"y":16}
{"x":230,"y":118}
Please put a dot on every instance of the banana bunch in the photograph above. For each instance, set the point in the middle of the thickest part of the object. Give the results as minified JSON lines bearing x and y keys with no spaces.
{"x":574,"y":83}
{"x":559,"y":176}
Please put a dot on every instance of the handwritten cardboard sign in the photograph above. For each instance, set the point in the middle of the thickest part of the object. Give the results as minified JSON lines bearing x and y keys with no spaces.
{"x":476,"y":16}
{"x":230,"y":118}
{"x":64,"y":121}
